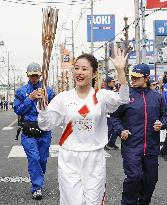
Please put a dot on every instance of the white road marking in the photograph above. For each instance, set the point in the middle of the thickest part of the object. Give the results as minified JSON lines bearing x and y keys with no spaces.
{"x":54,"y":150}
{"x":107,"y":155}
{"x":119,"y":145}
{"x":18,"y":151}
{"x":7,"y":128}
{"x":12,"y":123}
{"x":10,"y":126}
{"x":162,"y":135}
{"x":14,"y":179}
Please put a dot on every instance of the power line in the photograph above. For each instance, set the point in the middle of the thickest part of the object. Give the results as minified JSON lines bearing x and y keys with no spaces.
{"x":81,"y":13}
{"x":146,"y":15}
{"x":35,"y":3}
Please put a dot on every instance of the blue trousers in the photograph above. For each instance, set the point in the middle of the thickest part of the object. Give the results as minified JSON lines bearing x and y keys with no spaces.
{"x":112,"y":137}
{"x":141,"y":177}
{"x":37,"y":151}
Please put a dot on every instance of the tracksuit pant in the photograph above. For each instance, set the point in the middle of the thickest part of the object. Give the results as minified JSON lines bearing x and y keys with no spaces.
{"x":112,"y":137}
{"x":37,"y":151}
{"x":81,"y":177}
{"x":141,"y":177}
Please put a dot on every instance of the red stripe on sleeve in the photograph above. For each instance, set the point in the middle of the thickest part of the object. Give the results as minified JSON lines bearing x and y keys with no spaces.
{"x":103,"y":200}
{"x":94,"y":97}
{"x":66,"y":133}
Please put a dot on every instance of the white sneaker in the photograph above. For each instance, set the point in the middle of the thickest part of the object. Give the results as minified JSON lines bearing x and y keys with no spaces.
{"x":37,"y":194}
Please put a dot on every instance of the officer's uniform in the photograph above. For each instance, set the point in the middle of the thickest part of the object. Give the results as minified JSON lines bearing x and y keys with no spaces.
{"x":163,"y":151}
{"x":35,"y":147}
{"x":140,"y":151}
{"x":112,"y":136}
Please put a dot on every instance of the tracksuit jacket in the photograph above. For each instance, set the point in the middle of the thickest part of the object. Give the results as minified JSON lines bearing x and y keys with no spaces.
{"x":145,"y":107}
{"x":140,"y":151}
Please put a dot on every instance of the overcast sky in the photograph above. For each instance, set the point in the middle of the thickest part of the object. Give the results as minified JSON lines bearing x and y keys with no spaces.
{"x":20,"y":26}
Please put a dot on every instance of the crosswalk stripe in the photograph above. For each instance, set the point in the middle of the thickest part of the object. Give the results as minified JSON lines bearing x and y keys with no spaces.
{"x":13,"y":123}
{"x":18,"y":151}
{"x":107,"y":155}
{"x":10,"y":126}
{"x":7,"y":128}
{"x":54,"y":150}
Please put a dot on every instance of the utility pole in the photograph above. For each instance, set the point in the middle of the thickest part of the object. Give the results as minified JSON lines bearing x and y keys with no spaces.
{"x":57,"y":74}
{"x":72,"y":42}
{"x":137,"y":32}
{"x":92,"y":33}
{"x":8,"y":80}
{"x":106,"y":59}
{"x":67,"y":81}
{"x":62,"y":63}
{"x":53,"y":73}
{"x":126,"y":34}
{"x":127,"y":46}
{"x":14,"y":80}
{"x":143,"y":32}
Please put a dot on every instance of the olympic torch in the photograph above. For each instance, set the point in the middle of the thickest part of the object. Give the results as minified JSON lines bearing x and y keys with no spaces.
{"x":49,"y":26}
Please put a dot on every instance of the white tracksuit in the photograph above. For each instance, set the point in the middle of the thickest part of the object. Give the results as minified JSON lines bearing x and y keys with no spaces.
{"x":81,"y":160}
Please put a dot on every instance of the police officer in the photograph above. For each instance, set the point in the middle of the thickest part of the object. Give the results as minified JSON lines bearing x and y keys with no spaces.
{"x":110,"y":83}
{"x":34,"y":141}
{"x":112,"y":137}
{"x":139,"y":124}
{"x":154,"y":85}
{"x":163,"y":151}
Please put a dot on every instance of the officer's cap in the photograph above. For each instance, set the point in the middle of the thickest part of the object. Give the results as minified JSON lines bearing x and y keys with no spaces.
{"x":33,"y":69}
{"x":140,"y":70}
{"x":109,"y":79}
{"x":151,"y":81}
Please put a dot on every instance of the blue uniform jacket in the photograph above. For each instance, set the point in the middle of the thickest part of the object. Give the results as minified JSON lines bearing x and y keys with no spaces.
{"x":164,"y":92}
{"x":145,"y":107}
{"x":26,"y":107}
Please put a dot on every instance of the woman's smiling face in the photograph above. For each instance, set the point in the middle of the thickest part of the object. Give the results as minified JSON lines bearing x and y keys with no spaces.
{"x":83,"y":72}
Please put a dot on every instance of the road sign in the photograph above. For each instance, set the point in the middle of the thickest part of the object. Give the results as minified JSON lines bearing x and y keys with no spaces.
{"x":149,"y":48}
{"x":160,"y":27}
{"x":151,"y":4}
{"x":160,"y":36}
{"x":103,"y":27}
{"x":160,"y":69}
